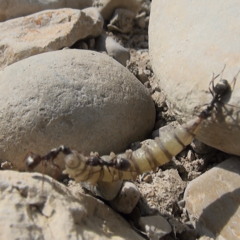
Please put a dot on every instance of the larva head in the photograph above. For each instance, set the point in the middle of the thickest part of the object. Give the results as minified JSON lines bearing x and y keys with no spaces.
{"x":32,"y":160}
{"x":74,"y":159}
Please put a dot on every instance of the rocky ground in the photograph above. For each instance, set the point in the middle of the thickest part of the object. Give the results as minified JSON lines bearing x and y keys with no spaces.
{"x":163,"y":191}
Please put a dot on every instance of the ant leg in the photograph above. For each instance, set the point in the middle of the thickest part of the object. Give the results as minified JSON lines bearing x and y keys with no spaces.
{"x":234,"y":80}
{"x":212,"y":85}
{"x":237,"y":118}
{"x":212,"y":88}
{"x":55,"y":165}
{"x":221,"y":73}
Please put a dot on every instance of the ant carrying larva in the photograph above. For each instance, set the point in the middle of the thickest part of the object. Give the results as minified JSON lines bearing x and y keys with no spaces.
{"x":128,"y":165}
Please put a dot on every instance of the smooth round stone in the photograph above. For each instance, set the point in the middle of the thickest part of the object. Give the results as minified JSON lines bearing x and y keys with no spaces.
{"x":82,"y":99}
{"x":189,"y":41}
{"x":127,"y":198}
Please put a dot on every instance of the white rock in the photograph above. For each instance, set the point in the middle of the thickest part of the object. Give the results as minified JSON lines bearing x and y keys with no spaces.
{"x":107,"y":7}
{"x":33,"y":206}
{"x":213,"y":200}
{"x":46,"y":31}
{"x":127,"y":198}
{"x":12,"y":8}
{"x":189,"y":41}
{"x":113,"y":49}
{"x":82,"y":99}
{"x":155,"y":226}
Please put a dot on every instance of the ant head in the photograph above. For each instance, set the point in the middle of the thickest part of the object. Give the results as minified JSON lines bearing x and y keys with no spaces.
{"x":222,"y":87}
{"x":32,"y":160}
{"x":74,"y":159}
{"x":122,"y":163}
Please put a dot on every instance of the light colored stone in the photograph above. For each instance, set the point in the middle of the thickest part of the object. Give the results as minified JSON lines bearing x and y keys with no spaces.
{"x":155,"y":226}
{"x":46,"y":31}
{"x":34,"y":206}
{"x":113,"y":49}
{"x":213,"y":200}
{"x":127,"y":198}
{"x":107,"y":7}
{"x":188,"y":42}
{"x":82,"y":99}
{"x":12,"y":8}
{"x":122,"y":21}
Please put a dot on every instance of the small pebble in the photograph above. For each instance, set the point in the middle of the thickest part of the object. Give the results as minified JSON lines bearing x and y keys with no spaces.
{"x":148,"y":178}
{"x":190,"y":155}
{"x":6,"y":165}
{"x":127,"y":199}
{"x":205,"y":238}
{"x":155,"y":226}
{"x":122,"y":21}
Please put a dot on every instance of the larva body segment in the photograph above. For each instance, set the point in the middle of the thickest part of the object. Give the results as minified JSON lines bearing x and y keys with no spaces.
{"x":79,"y":168}
{"x":151,"y":154}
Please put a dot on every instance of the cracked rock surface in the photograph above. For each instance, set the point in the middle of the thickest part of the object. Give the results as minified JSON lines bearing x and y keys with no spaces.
{"x":33,"y":206}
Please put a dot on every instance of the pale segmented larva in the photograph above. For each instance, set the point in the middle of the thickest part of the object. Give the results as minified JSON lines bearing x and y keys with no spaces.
{"x":125,"y":166}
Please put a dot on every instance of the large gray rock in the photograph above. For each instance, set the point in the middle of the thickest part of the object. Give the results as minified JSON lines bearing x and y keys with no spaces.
{"x":33,"y":206}
{"x":189,"y":41}
{"x":79,"y":98}
{"x":213,"y":200}
{"x":12,"y":8}
{"x":46,"y":31}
